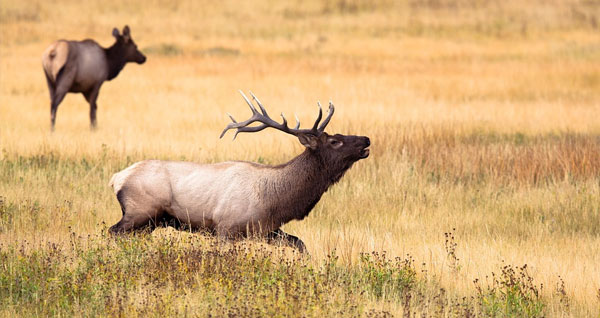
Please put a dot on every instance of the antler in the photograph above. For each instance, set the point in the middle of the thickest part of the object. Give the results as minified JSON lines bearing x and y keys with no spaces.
{"x":266,"y":121}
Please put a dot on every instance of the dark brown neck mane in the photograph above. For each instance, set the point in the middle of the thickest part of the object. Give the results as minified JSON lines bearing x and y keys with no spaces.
{"x":115,"y":56}
{"x":296,"y":186}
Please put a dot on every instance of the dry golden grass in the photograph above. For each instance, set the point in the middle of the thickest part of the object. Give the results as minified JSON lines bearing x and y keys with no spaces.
{"x":483,"y":118}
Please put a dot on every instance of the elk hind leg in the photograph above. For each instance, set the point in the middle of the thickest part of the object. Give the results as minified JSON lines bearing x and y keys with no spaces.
{"x":53,"y":105}
{"x":64,"y":80}
{"x":139,"y":215}
{"x":51,"y":86}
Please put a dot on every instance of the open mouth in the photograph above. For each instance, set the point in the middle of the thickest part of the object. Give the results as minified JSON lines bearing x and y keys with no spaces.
{"x":364,"y":153}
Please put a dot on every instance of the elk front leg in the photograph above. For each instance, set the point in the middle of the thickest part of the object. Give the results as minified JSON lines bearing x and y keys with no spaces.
{"x":91,"y":96}
{"x":288,"y":239}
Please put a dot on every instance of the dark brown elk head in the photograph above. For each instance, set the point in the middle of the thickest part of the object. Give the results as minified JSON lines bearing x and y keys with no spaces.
{"x":335,"y":153}
{"x":339,"y":151}
{"x":127,"y":47}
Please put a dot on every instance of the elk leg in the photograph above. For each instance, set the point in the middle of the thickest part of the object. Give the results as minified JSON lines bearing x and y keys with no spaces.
{"x":52,"y":91}
{"x":138,"y":215}
{"x":127,"y":225}
{"x":174,"y":222}
{"x":91,"y":96}
{"x":63,"y":84}
{"x":288,"y":239}
{"x":137,"y":222}
{"x":51,"y":87}
{"x":58,"y":97}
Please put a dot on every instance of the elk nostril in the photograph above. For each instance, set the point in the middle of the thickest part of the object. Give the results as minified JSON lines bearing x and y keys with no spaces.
{"x":368,"y":141}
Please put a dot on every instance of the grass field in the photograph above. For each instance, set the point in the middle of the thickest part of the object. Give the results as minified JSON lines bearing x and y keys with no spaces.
{"x":481,"y":196}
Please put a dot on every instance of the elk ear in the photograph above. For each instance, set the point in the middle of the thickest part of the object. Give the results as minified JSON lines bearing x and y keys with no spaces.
{"x":116,"y":33}
{"x":126,"y":35}
{"x":309,"y":141}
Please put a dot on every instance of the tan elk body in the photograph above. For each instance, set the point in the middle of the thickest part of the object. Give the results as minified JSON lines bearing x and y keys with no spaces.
{"x":233,"y":199}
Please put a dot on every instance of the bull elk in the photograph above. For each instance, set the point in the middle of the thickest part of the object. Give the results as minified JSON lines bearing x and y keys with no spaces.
{"x":82,"y":67}
{"x":236,"y":198}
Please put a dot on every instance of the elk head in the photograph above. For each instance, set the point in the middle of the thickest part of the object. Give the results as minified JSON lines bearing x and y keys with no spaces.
{"x":337,"y":151}
{"x":128,"y":48}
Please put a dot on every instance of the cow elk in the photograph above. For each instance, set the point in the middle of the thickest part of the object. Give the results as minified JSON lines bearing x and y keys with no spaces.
{"x":238,"y":199}
{"x":82,"y":67}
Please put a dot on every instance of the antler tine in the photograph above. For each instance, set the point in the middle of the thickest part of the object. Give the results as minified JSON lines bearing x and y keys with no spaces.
{"x":254,"y":111}
{"x":232,"y":119}
{"x":230,"y":126}
{"x":240,"y":127}
{"x":328,"y":118}
{"x":284,"y":124}
{"x":319,"y":117}
{"x":297,"y":121}
{"x":249,"y":129}
{"x":262,"y":109}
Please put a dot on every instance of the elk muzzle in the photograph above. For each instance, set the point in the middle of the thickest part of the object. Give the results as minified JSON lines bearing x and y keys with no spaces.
{"x":140,"y":58}
{"x":366,"y":142}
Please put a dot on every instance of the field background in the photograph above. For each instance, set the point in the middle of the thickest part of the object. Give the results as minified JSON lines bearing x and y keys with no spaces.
{"x":484,"y":121}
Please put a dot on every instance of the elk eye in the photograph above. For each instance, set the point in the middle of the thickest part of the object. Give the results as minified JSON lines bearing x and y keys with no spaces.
{"x":334,"y":142}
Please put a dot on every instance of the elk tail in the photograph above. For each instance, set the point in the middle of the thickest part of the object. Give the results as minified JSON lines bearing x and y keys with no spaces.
{"x":111,"y":183}
{"x":55,"y":58}
{"x":118,"y":179}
